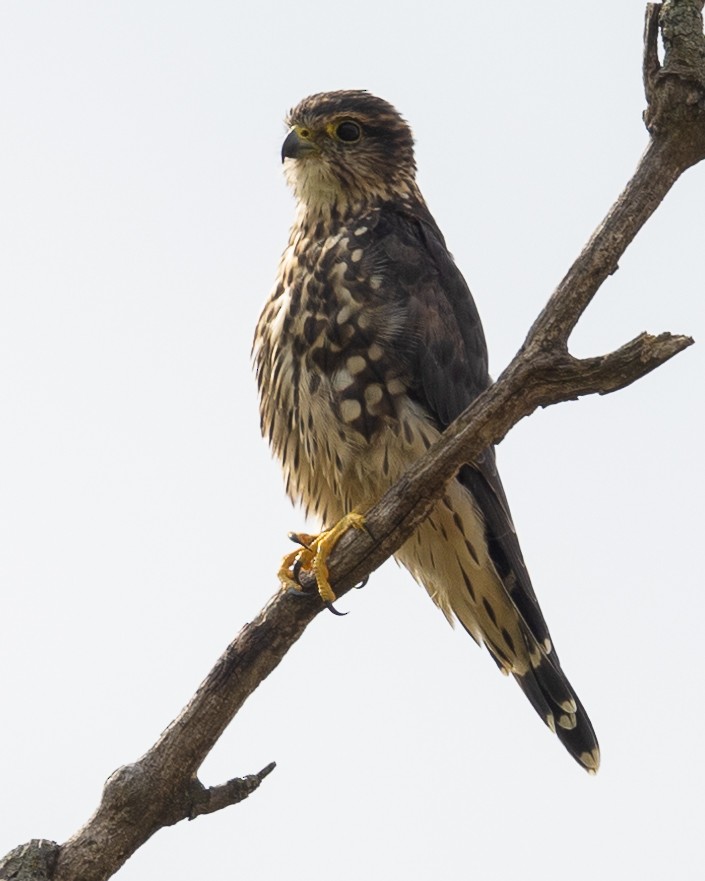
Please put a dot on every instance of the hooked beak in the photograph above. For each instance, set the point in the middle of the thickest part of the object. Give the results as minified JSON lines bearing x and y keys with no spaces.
{"x":294,"y":146}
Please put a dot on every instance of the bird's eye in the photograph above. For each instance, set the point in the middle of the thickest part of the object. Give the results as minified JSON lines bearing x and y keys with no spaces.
{"x":348,"y":131}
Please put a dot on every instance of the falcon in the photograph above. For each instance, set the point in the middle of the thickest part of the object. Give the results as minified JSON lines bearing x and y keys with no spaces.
{"x":369,"y":346}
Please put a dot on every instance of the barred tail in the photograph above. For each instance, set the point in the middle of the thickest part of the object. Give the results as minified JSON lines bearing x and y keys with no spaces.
{"x":553,"y":698}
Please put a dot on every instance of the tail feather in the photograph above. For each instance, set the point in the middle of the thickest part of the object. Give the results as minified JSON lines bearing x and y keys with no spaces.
{"x":548,"y":673}
{"x":581,"y":741}
{"x":550,"y":694}
{"x":450,"y":556}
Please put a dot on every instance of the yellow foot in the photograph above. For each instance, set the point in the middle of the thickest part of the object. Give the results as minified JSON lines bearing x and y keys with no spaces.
{"x":313,"y":556}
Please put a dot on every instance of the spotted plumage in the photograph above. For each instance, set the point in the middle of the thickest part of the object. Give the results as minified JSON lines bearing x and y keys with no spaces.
{"x":368,"y":347}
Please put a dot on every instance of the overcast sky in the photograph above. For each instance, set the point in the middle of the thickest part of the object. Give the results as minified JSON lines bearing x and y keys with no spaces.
{"x":142,"y":214}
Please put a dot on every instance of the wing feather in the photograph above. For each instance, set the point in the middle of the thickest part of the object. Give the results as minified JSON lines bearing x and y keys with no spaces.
{"x":448,"y":362}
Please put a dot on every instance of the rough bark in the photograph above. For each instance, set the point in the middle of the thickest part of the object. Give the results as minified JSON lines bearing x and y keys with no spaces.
{"x":162,"y":787}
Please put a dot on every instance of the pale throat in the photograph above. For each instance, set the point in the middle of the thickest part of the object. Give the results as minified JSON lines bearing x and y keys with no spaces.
{"x":321,"y":196}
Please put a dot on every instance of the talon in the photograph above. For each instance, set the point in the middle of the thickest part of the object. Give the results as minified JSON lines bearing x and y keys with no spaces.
{"x":362,"y":583}
{"x":312,"y":557}
{"x":286,"y":572}
{"x":331,"y":608}
{"x":290,"y":567}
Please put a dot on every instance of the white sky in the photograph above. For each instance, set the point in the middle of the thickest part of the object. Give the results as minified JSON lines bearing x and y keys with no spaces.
{"x":142,"y":215}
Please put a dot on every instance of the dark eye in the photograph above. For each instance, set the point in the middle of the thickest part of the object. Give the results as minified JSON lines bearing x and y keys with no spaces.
{"x":348,"y":131}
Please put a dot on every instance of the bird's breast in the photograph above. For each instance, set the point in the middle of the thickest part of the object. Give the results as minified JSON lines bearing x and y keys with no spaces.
{"x":333,"y":382}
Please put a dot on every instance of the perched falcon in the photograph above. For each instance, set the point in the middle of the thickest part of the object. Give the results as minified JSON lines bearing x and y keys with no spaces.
{"x":368,"y":347}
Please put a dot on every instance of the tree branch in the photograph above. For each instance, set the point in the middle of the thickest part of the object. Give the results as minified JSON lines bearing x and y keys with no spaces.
{"x":215,"y":798}
{"x":162,"y":788}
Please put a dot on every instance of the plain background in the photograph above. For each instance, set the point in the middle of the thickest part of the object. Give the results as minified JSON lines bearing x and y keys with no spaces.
{"x":142,"y":214}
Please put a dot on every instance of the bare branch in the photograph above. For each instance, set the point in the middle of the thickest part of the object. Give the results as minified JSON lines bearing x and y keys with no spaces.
{"x":658,"y":170}
{"x":215,"y":798}
{"x":162,"y":788}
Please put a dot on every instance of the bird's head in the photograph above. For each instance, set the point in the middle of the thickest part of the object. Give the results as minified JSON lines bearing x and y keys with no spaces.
{"x":346,"y":148}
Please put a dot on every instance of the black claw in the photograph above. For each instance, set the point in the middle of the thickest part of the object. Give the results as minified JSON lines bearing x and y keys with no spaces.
{"x":331,"y":608}
{"x":296,"y":570}
{"x":362,"y":583}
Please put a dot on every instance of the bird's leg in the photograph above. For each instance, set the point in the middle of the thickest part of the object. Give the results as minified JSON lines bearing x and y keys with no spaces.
{"x":322,"y":546}
{"x":314,"y":553}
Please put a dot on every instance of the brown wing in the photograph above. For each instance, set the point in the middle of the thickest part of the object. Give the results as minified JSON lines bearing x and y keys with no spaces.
{"x":449,"y":364}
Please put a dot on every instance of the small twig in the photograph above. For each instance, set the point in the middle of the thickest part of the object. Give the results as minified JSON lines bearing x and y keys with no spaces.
{"x":215,"y":798}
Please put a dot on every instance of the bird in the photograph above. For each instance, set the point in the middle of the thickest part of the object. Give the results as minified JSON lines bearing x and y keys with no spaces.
{"x":369,"y":345}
